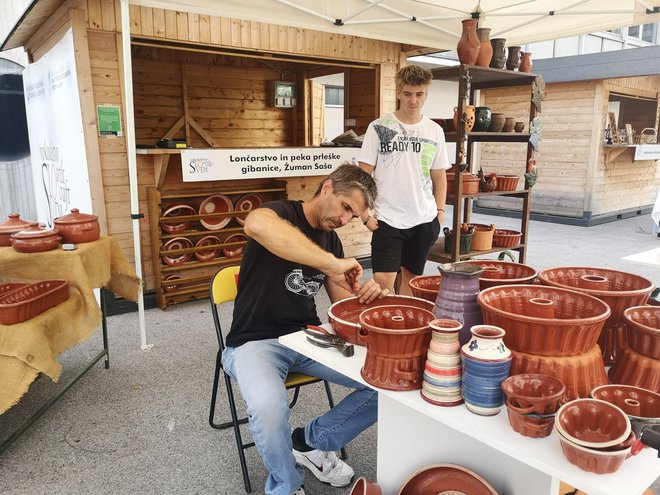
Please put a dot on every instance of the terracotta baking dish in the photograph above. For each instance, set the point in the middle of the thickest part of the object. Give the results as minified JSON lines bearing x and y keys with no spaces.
{"x":27,"y":302}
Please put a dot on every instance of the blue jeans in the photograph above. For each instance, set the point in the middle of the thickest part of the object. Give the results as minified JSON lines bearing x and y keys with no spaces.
{"x":260,"y":368}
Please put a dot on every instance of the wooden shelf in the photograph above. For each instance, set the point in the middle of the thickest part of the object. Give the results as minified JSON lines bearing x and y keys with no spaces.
{"x":439,"y":255}
{"x":490,"y":137}
{"x":612,"y":151}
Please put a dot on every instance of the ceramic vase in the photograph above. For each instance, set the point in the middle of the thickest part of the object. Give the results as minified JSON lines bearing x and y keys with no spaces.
{"x":469,"y":116}
{"x":526,"y":62}
{"x":509,"y":123}
{"x":443,"y":370}
{"x":457,"y":298}
{"x":496,"y":122}
{"x":486,"y":49}
{"x":486,"y":364}
{"x":482,"y":118}
{"x":468,"y":46}
{"x":498,"y":60}
{"x":513,"y":59}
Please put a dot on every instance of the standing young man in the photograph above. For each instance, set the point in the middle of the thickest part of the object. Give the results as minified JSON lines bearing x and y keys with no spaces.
{"x":406,"y":154}
{"x":292,"y":251}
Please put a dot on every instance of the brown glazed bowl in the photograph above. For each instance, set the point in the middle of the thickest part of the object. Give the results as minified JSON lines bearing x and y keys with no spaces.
{"x":426,"y":286}
{"x":363,"y":486}
{"x":234,"y":251}
{"x":579,"y":374}
{"x":446,"y":478}
{"x":592,"y":460}
{"x":575,"y":329}
{"x":509,"y":273}
{"x":175,"y":225}
{"x":592,"y":423}
{"x":10,"y":226}
{"x":77,"y":228}
{"x":35,"y":239}
{"x":529,"y":426}
{"x":643,"y":330}
{"x":343,"y":315}
{"x":642,"y":406}
{"x":533,"y":393}
{"x":632,"y":368}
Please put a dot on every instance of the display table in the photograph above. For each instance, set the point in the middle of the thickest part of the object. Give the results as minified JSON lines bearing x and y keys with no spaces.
{"x":31,"y":347}
{"x":413,"y":434}
{"x":650,"y":257}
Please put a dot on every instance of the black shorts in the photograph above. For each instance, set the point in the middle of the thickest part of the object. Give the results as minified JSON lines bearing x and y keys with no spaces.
{"x":393,"y":248}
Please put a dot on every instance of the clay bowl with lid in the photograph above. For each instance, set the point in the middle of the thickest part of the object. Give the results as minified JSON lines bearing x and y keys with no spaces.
{"x":216,"y":203}
{"x":425,"y":286}
{"x":446,"y":478}
{"x":343,"y":315}
{"x":593,"y":423}
{"x":363,"y":486}
{"x":592,"y":460}
{"x":507,"y":273}
{"x":641,"y":405}
{"x":570,"y":323}
{"x":643,"y":330}
{"x":579,"y":374}
{"x":177,"y":225}
{"x":77,"y":227}
{"x":13,"y":224}
{"x":397,"y":340}
{"x":35,"y":239}
{"x":533,"y":393}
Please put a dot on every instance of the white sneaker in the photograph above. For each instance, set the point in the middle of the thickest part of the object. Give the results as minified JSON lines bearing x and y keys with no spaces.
{"x":299,"y":491}
{"x":326,"y":466}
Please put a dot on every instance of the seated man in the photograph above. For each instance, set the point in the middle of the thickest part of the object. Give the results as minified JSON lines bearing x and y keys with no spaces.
{"x":292,"y":250}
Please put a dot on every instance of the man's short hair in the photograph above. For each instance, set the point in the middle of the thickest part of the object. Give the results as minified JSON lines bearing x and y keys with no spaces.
{"x":414,"y":75}
{"x":347,"y":177}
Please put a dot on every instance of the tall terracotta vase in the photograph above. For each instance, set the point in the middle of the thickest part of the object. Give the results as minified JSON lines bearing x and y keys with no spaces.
{"x":486,"y":49}
{"x":498,"y":59}
{"x":457,"y":298}
{"x":468,"y":46}
{"x":526,"y":62}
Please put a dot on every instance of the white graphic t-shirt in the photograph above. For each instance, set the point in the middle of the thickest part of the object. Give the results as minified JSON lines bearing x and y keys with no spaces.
{"x":403,"y":156}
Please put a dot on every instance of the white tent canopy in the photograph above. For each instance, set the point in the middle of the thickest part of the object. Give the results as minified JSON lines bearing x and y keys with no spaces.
{"x":433,"y":23}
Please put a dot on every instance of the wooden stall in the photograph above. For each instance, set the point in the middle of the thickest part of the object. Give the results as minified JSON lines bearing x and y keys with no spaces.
{"x":204,"y":80}
{"x":583,"y":180}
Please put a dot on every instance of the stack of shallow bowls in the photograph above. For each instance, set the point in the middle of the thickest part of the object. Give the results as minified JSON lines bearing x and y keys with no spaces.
{"x":442,"y":372}
{"x":532,"y":400}
{"x":642,"y":406}
{"x":595,"y":435}
{"x":551,"y":331}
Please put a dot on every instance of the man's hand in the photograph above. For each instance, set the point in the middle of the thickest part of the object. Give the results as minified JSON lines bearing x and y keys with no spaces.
{"x":346,"y":274}
{"x":369,"y":291}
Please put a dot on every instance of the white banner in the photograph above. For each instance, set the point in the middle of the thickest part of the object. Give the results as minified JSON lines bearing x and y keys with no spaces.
{"x":57,"y":145}
{"x":253,"y":163}
{"x":647,"y":152}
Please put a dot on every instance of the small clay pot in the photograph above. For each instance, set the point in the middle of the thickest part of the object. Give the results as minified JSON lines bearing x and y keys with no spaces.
{"x":519,"y":126}
{"x":12,"y":225}
{"x":35,"y":239}
{"x":77,"y":228}
{"x":509,"y":123}
{"x":496,"y":122}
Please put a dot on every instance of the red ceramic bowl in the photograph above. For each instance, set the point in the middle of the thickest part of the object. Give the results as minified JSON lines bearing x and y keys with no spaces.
{"x":216,"y":203}
{"x":592,"y":460}
{"x":446,"y":478}
{"x":575,"y":328}
{"x":207,"y":255}
{"x":175,"y":244}
{"x":533,"y":393}
{"x":169,"y":284}
{"x":509,"y":273}
{"x":643,"y":330}
{"x":235,"y":250}
{"x":641,"y":405}
{"x":529,"y":426}
{"x":247,"y":203}
{"x":175,"y":225}
{"x":632,"y":368}
{"x":343,"y":315}
{"x":425,"y":286}
{"x":363,"y":486}
{"x":592,"y":423}
{"x":35,"y":239}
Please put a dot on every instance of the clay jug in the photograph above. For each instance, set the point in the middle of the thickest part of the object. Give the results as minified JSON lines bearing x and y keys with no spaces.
{"x":526,"y":62}
{"x":499,"y":54}
{"x":468,"y":46}
{"x":513,"y":60}
{"x":486,"y":49}
{"x":457,"y":297}
{"x":469,"y":111}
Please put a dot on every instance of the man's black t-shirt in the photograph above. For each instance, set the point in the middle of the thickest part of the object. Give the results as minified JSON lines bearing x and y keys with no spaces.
{"x":275,"y":296}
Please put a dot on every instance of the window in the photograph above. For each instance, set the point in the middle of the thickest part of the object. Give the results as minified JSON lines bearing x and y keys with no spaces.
{"x":615,"y":31}
{"x":648,"y":33}
{"x":334,"y":96}
{"x":633,"y":32}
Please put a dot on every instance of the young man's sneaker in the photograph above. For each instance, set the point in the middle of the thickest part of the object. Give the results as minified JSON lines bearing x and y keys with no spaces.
{"x":299,"y":491}
{"x":326,"y":466}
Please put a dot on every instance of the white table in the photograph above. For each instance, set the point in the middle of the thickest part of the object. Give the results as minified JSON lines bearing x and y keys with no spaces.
{"x":413,"y":434}
{"x":650,"y":257}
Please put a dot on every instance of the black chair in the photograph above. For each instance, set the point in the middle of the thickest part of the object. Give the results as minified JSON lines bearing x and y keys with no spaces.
{"x":223,"y":289}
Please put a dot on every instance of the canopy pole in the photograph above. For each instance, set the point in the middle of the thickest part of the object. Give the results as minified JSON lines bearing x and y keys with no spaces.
{"x":132,"y":160}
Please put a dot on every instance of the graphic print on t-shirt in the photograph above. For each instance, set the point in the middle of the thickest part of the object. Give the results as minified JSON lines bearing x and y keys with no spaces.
{"x":298,"y":283}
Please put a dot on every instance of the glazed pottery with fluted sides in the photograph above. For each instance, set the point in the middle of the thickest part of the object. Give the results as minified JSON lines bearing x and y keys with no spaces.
{"x":643,"y":330}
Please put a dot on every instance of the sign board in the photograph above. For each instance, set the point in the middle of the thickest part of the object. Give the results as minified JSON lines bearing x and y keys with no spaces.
{"x":256,"y":163}
{"x":55,"y":128}
{"x":647,"y":152}
{"x":108,"y":120}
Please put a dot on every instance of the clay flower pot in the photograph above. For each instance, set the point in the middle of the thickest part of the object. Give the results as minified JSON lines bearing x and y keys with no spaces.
{"x":35,"y":239}
{"x":397,"y":339}
{"x":496,"y":122}
{"x":77,"y":228}
{"x":10,"y":226}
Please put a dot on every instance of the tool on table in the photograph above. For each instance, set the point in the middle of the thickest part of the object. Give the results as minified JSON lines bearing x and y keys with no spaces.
{"x":322,"y":338}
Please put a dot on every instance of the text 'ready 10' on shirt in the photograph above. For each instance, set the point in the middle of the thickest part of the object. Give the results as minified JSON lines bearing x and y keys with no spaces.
{"x":275,"y":296}
{"x":403,"y":156}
